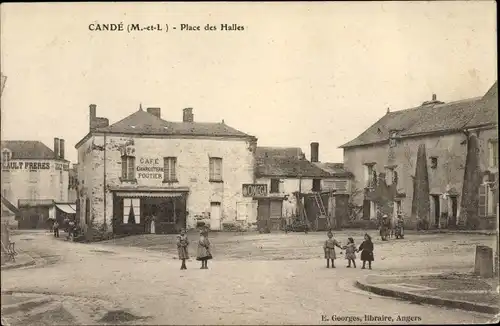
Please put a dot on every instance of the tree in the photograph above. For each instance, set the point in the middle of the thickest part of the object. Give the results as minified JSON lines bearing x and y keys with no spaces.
{"x":472,"y":181}
{"x":421,"y":202}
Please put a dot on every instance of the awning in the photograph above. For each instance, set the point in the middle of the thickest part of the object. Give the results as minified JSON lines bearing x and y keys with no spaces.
{"x":66,"y":208}
{"x":149,"y":194}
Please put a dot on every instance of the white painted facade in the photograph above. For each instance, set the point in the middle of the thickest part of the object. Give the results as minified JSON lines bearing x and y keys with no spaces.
{"x":100,"y":170}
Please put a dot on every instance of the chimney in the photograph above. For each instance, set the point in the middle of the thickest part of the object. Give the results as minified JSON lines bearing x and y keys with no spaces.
{"x":56,"y":147}
{"x":61,"y":148}
{"x":314,"y":152}
{"x":92,"y":117}
{"x":434,"y":97}
{"x":155,"y":111}
{"x":187,"y":115}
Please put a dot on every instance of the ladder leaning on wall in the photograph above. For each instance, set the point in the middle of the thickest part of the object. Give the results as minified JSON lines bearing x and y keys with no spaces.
{"x":322,"y":209}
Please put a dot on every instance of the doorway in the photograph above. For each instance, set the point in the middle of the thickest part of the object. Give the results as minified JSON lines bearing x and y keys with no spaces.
{"x":437,"y":210}
{"x":215,"y":216}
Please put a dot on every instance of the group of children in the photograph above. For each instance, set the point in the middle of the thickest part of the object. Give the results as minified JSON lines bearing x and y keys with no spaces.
{"x":366,"y":249}
{"x":204,"y":254}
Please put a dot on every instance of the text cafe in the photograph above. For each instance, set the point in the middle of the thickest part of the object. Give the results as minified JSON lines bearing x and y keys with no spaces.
{"x":150,"y":168}
{"x":269,"y":208}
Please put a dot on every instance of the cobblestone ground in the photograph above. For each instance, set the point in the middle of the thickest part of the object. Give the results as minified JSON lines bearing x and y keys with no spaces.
{"x":254,"y":279}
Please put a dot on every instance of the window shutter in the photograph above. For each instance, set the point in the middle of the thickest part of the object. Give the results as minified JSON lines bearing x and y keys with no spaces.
{"x":172,"y":169}
{"x":124,"y":167}
{"x":483,"y":205}
{"x":367,"y":176}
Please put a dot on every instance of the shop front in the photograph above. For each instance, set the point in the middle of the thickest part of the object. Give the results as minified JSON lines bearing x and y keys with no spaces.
{"x":151,"y":212}
{"x":270,"y":213}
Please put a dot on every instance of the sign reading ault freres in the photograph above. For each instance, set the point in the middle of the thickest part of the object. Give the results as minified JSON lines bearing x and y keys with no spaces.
{"x":254,"y":190}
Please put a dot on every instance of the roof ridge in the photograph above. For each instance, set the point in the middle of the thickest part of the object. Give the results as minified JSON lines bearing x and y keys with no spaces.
{"x":471,"y":99}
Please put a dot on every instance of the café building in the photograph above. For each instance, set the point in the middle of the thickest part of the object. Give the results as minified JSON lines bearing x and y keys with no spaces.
{"x":144,"y":174}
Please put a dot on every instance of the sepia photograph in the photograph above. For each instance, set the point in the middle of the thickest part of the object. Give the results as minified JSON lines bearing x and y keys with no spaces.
{"x":249,"y":163}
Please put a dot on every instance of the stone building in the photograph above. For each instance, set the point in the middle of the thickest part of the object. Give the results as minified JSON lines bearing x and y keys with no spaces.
{"x":292,"y":181}
{"x":33,"y":177}
{"x":143,"y":174}
{"x":383,"y":160}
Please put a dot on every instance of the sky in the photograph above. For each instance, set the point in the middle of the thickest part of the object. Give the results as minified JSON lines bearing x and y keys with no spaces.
{"x":298,"y":72}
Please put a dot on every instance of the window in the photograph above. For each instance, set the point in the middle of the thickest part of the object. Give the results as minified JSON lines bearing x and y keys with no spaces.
{"x":487,"y":200}
{"x":316,"y":186}
{"x":128,"y":168}
{"x":389,"y":172}
{"x":370,"y":175}
{"x":33,"y":176}
{"x":275,"y":186}
{"x":33,"y":193}
{"x":5,"y":177}
{"x":493,"y":153}
{"x":391,"y":176}
{"x":215,"y":169}
{"x":434,"y":162}
{"x":169,"y":168}
{"x":131,"y":210}
{"x":5,"y":156}
{"x":392,"y":139}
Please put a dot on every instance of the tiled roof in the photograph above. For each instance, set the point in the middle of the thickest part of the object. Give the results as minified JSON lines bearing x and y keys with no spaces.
{"x":28,"y":149}
{"x":142,"y":122}
{"x":432,"y":118}
{"x":334,"y":169}
{"x":286,"y":162}
{"x":279,"y":152}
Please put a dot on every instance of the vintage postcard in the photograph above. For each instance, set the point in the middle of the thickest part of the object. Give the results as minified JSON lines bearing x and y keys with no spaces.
{"x":249,"y":163}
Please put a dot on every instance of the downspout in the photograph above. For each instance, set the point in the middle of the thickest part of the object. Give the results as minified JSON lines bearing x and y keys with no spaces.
{"x":104,"y":184}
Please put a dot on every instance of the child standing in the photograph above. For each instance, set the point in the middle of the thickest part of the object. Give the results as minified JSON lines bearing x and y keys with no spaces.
{"x":329,"y":248}
{"x":204,"y":253}
{"x":182,"y":248}
{"x":350,"y":252}
{"x":366,"y":249}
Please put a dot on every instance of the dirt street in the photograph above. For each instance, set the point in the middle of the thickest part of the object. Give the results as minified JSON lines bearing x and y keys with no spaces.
{"x":254,"y":279}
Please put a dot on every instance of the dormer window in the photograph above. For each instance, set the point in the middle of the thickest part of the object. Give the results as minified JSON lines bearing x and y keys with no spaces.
{"x":392,"y":138}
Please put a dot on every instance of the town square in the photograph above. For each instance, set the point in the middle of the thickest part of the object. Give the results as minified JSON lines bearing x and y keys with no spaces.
{"x":204,"y":164}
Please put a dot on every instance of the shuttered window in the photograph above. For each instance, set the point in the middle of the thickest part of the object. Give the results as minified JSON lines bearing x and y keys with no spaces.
{"x":215,"y":169}
{"x":128,"y":167}
{"x":169,"y":168}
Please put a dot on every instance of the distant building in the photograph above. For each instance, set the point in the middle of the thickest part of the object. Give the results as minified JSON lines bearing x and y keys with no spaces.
{"x":143,"y":169}
{"x":33,"y":176}
{"x":383,"y":160}
{"x":292,"y":181}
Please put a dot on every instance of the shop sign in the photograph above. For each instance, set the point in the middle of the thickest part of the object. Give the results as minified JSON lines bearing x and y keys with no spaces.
{"x":254,"y":190}
{"x":28,"y":165}
{"x":149,"y":168}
